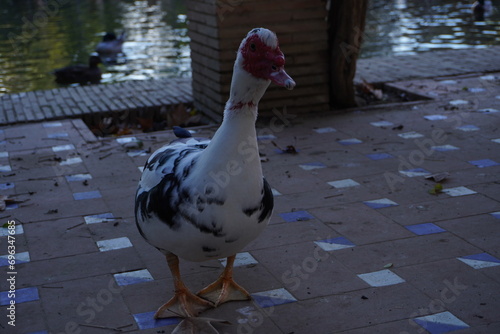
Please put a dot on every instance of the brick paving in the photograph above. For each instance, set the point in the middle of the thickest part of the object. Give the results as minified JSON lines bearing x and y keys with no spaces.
{"x":356,"y":244}
{"x":94,"y":100}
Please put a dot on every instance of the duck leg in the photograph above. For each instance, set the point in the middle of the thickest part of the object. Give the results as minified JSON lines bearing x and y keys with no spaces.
{"x":224,"y":289}
{"x":184,"y":302}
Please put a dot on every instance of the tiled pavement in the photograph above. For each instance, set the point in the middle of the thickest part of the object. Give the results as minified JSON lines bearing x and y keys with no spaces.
{"x":357,"y":243}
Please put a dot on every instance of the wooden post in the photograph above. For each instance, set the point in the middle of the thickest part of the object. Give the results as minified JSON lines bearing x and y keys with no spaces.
{"x":346,"y":24}
{"x":216,"y":28}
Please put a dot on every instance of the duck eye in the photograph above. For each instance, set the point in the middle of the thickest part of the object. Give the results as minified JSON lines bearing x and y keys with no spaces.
{"x":252,"y":47}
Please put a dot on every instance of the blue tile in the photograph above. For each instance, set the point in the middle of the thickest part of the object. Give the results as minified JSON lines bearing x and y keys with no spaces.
{"x":379,"y":156}
{"x":440,"y":323}
{"x":87,"y":195}
{"x":484,"y":163}
{"x":38,"y":332}
{"x":296,"y":216}
{"x":11,"y":206}
{"x":22,"y":257}
{"x":146,"y":320}
{"x":22,"y":296}
{"x":273,"y":298}
{"x":496,"y":214}
{"x":380,"y":203}
{"x":8,"y":185}
{"x":423,"y":229}
{"x":482,"y":257}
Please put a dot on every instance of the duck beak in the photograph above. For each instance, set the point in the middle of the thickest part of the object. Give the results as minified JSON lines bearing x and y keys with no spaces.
{"x":281,"y":78}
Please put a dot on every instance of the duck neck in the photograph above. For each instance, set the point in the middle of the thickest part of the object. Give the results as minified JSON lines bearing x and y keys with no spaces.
{"x":246,"y":92}
{"x":236,"y":138}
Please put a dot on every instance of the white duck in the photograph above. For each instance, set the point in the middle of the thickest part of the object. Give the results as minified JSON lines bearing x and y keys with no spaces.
{"x":199,"y":199}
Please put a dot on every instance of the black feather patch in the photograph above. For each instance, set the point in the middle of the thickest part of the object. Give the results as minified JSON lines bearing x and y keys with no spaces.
{"x":181,"y":133}
{"x":267,"y":203}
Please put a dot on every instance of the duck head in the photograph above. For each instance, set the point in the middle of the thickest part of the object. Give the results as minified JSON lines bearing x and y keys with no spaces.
{"x":259,"y":54}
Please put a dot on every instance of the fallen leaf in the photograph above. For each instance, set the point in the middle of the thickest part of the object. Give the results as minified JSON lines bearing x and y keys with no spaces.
{"x":438,"y":188}
{"x":200,"y":325}
{"x":389,"y":265}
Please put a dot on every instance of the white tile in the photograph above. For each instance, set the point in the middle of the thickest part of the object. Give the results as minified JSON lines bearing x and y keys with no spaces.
{"x":458,"y":102}
{"x":346,"y":183}
{"x":381,"y":278}
{"x":52,"y":124}
{"x":497,"y":140}
{"x":459,"y":191}
{"x":112,"y":244}
{"x":5,"y":168}
{"x":276,"y":192}
{"x":312,"y":166}
{"x":445,"y":319}
{"x":488,"y":110}
{"x":60,"y":148}
{"x":410,"y":135}
{"x":71,"y":161}
{"x":414,"y":172}
{"x":101,"y":218}
{"x":4,"y":154}
{"x":382,"y":124}
{"x":125,"y":140}
{"x":133,"y":277}
{"x":435,"y":117}
{"x":468,"y":128}
{"x":242,"y":259}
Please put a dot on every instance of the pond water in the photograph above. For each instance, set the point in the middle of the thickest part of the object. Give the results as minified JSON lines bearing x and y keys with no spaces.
{"x":38,"y":36}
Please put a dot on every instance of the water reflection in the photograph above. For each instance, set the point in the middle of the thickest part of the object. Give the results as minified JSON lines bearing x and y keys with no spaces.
{"x":410,"y":26}
{"x":38,"y":36}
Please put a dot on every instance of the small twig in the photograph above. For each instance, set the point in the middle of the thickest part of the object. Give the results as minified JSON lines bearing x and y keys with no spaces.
{"x":105,"y":156}
{"x":337,"y":195}
{"x":102,"y":327}
{"x":52,"y":287}
{"x":72,"y":227}
{"x":56,"y":138}
{"x":11,"y":138}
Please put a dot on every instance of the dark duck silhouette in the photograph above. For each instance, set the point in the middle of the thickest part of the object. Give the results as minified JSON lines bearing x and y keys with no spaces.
{"x":189,"y":206}
{"x":482,"y":9}
{"x":82,"y":74}
{"x":110,"y":49}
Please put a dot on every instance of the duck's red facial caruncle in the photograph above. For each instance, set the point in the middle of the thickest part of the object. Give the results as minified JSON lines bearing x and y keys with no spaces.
{"x":265,"y":62}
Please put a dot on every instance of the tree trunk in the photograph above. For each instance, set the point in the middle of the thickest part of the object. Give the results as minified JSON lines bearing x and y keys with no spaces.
{"x":346,"y":24}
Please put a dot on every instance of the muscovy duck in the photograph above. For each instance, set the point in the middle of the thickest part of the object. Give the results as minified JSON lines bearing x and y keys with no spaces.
{"x":207,"y":199}
{"x":81,"y":74}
